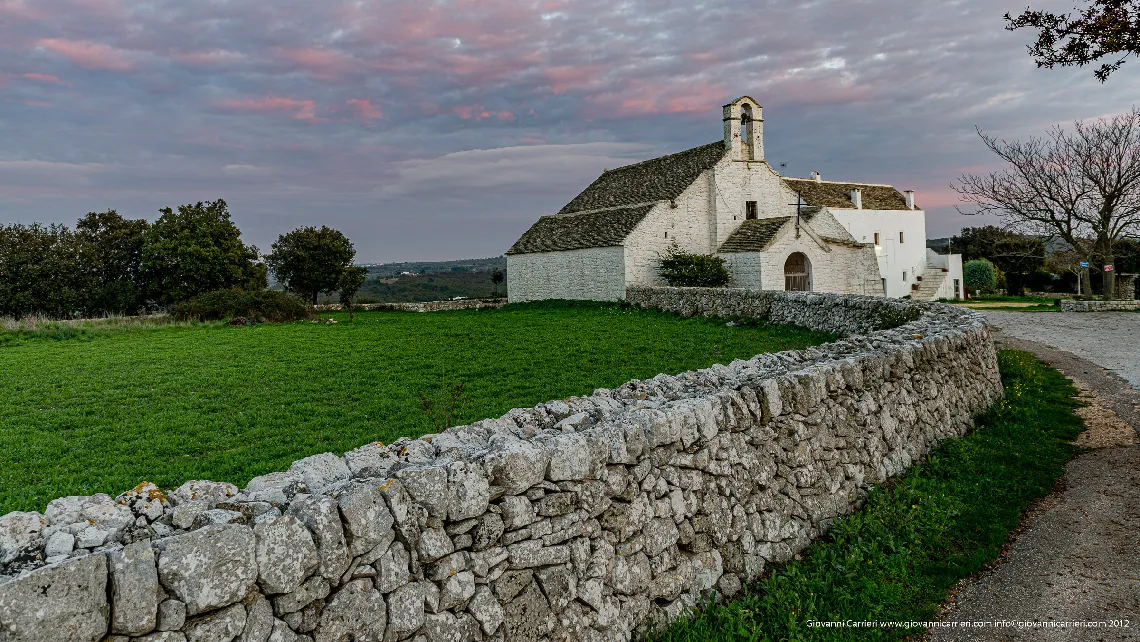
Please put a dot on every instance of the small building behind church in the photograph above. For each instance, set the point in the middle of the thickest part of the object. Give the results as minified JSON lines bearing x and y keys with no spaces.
{"x":724,"y":199}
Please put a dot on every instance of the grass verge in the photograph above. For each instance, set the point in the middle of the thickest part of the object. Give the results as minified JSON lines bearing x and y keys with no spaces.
{"x":895,"y":559}
{"x":103,"y":410}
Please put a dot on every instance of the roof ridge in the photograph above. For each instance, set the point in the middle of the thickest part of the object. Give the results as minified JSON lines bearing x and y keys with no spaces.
{"x":657,"y":158}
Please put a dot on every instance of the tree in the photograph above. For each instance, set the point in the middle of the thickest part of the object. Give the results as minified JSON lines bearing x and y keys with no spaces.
{"x":309,"y":261}
{"x":497,"y":278}
{"x":1105,"y":29}
{"x":111,"y":257}
{"x":40,"y":271}
{"x":977,"y":242}
{"x":196,"y":250}
{"x":1082,"y":187}
{"x":1018,"y":256}
{"x":350,"y":281}
{"x":979,"y":275}
{"x":1067,"y":260}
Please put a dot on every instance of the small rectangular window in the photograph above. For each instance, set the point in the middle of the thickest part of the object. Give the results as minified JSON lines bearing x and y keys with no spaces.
{"x":900,"y":237}
{"x":876,"y":238}
{"x":750,"y":210}
{"x":904,"y":276}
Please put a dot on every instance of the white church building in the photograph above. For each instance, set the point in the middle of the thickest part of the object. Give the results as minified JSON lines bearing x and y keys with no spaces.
{"x":723,"y":199}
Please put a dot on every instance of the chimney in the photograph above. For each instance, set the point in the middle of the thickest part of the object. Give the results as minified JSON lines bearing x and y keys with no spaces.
{"x":857,"y":198}
{"x":815,"y":176}
{"x":910,"y":199}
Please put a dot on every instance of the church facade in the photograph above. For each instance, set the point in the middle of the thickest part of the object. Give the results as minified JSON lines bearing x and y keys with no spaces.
{"x":723,"y":199}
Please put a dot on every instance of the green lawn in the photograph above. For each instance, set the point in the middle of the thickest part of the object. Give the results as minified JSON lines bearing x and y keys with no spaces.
{"x":101,"y":410}
{"x":895,"y":559}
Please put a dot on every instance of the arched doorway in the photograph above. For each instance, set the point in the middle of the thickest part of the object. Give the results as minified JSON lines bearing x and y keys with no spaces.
{"x":797,"y":273}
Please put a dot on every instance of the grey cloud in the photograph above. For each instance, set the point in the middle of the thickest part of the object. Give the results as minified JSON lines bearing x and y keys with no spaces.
{"x":875,"y":90}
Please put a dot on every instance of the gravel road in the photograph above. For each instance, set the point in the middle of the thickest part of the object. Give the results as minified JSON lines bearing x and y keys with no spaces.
{"x":1108,"y":339}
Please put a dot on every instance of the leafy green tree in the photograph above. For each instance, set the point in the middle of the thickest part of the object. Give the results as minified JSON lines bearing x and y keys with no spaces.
{"x":979,"y":274}
{"x":350,"y":281}
{"x":309,"y":260}
{"x":111,"y":257}
{"x":40,"y":271}
{"x":682,"y":269}
{"x":497,"y":277}
{"x":194,"y":250}
{"x":977,"y":242}
{"x":1104,"y":29}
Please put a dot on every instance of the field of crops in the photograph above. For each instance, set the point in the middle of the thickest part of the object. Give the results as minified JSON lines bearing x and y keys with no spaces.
{"x":101,"y":410}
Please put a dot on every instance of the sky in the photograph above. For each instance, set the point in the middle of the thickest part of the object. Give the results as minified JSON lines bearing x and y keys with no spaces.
{"x":434,"y":130}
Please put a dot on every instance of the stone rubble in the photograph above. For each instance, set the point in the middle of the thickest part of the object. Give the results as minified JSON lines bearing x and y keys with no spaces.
{"x":589,"y":518}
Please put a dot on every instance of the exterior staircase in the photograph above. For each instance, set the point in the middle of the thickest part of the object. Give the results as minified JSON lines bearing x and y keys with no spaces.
{"x":928,"y":285}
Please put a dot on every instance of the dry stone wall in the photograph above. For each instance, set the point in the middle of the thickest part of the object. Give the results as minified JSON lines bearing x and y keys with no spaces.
{"x":426,"y":306}
{"x":1072,"y":305}
{"x":580,"y":519}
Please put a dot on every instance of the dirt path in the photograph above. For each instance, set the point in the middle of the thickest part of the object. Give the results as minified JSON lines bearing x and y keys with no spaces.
{"x":1077,"y":560}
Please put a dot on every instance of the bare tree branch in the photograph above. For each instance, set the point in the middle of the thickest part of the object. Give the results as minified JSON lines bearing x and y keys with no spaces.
{"x":1081,"y":186}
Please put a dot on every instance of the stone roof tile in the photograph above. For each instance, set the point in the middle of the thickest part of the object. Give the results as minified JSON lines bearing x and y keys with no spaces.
{"x":838,"y":195}
{"x":658,"y":179}
{"x":576,"y":231}
{"x":753,"y":235}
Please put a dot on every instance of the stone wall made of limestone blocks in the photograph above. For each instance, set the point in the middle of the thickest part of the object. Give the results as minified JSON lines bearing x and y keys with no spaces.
{"x":1071,"y":305}
{"x":579,"y":519}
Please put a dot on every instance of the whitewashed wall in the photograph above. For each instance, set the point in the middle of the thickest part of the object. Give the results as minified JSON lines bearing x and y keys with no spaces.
{"x":894,"y":257}
{"x":595,"y":274}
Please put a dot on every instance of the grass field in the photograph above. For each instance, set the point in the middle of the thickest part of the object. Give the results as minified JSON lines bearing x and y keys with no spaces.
{"x":100,"y":407}
{"x":1010,"y":303}
{"x":895,"y":559}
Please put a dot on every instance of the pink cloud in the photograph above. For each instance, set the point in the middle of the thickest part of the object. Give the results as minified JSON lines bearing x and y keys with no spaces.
{"x":364,"y":108}
{"x":321,"y":63}
{"x":467,"y":112}
{"x":936,"y":197}
{"x":45,"y":78}
{"x":210,"y":58}
{"x":36,"y":103}
{"x":635,"y":98}
{"x":565,"y":77}
{"x":299,"y":109}
{"x":89,"y":55}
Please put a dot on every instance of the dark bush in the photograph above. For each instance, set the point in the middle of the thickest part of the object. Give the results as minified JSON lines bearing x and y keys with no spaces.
{"x":682,"y":269}
{"x":260,"y":306}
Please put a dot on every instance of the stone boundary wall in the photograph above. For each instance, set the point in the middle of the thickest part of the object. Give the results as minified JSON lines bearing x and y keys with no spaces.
{"x":1071,"y":305}
{"x":427,"y":306}
{"x":587,"y":518}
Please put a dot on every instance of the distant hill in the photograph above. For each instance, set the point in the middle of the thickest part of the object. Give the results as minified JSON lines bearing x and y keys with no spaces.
{"x":384,"y":270}
{"x":414,"y":281}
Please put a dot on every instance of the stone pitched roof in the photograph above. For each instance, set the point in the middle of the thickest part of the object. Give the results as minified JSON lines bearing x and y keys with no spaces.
{"x":649,"y":181}
{"x":838,"y":195}
{"x":753,"y":235}
{"x":576,"y":231}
